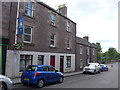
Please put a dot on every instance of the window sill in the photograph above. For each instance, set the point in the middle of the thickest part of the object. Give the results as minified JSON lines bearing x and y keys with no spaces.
{"x":32,"y":17}
{"x":29,"y":44}
{"x":68,"y":48}
{"x":51,"y":46}
{"x":54,"y":25}
{"x":68,"y":31}
{"x":68,"y":67}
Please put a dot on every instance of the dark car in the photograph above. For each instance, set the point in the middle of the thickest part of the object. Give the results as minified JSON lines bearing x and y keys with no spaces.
{"x":103,"y":67}
{"x":40,"y":75}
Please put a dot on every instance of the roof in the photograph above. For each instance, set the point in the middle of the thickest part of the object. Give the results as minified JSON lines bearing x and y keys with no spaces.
{"x":40,"y":65}
{"x":93,"y":46}
{"x":45,"y":5}
{"x":82,"y":41}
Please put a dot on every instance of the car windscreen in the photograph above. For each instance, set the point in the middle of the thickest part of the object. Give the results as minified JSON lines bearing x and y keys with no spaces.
{"x":91,"y":65}
{"x":31,"y":68}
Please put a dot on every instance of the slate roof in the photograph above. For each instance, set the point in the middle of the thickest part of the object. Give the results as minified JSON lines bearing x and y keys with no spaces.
{"x":82,"y":41}
{"x":47,"y":6}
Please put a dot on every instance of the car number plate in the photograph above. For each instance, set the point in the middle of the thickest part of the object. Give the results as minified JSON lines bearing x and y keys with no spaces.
{"x":26,"y":79}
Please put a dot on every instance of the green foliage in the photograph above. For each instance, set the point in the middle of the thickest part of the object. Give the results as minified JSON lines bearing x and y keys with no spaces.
{"x":111,"y":54}
{"x":99,"y":50}
{"x":98,"y":46}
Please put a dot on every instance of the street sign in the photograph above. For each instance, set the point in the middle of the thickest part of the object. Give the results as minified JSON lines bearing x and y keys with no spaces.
{"x":20,"y":25}
{"x":103,"y":57}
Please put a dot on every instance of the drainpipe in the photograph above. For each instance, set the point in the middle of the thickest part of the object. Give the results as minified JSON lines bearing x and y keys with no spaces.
{"x":17,"y":22}
{"x":9,"y":27}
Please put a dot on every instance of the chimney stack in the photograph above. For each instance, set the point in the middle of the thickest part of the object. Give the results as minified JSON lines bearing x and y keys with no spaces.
{"x":86,"y":37}
{"x":62,"y":9}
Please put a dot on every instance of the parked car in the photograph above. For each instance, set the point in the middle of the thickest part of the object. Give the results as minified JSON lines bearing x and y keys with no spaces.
{"x":103,"y":67}
{"x":40,"y":75}
{"x":91,"y":68}
{"x":5,"y":83}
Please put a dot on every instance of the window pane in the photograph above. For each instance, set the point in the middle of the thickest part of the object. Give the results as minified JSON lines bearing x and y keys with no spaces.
{"x":68,"y":61}
{"x":27,"y":30}
{"x":52,"y":37}
{"x":52,"y":18}
{"x":45,"y":69}
{"x":52,"y":69}
{"x":29,"y":9}
{"x":52,"y":42}
{"x":28,"y":62}
{"x":29,"y":5}
{"x":40,"y":59}
{"x":31,"y":68}
{"x":22,"y":65}
{"x":27,"y":38}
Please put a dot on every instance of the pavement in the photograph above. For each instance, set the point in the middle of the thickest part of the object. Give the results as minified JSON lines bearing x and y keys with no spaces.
{"x":17,"y":79}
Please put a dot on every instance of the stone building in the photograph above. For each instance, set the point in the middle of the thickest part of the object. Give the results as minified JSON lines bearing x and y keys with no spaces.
{"x":47,"y":36}
{"x":85,"y":53}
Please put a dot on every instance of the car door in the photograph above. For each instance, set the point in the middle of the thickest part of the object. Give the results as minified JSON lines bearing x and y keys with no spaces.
{"x":46,"y":74}
{"x":53,"y":74}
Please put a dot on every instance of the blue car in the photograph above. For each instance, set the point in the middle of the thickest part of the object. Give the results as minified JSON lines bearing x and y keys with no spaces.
{"x":40,"y":75}
{"x":103,"y":67}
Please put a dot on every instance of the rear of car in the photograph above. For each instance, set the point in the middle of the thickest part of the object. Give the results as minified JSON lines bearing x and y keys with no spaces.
{"x":40,"y":75}
{"x":29,"y":75}
{"x":103,"y":67}
{"x":5,"y":83}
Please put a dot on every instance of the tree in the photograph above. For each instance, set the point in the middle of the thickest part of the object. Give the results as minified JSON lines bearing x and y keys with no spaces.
{"x":112,"y":54}
{"x":99,"y":50}
{"x":98,"y":46}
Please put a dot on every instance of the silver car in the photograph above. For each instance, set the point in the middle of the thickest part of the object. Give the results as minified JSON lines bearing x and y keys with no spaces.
{"x":91,"y":68}
{"x":5,"y":83}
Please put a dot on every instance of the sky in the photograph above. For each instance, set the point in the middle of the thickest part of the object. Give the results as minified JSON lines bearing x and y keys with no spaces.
{"x":96,"y":18}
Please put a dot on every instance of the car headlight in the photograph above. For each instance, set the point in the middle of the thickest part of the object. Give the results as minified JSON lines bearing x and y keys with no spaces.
{"x":9,"y":79}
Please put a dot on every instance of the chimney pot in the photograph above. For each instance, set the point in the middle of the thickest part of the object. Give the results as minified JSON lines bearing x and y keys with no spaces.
{"x":62,"y":9}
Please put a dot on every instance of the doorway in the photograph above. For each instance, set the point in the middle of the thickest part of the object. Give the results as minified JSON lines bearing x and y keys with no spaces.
{"x":52,"y":61}
{"x":61,"y":63}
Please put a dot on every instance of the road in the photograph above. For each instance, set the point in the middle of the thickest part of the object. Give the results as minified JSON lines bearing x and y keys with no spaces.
{"x":108,"y":79}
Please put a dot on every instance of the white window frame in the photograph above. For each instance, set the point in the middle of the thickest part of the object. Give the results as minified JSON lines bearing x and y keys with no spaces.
{"x":68,"y":44}
{"x":31,"y":9}
{"x":27,"y":34}
{"x":68,"y":26}
{"x":81,"y":49}
{"x":52,"y":20}
{"x":25,"y":60}
{"x":40,"y":58}
{"x":54,"y":40}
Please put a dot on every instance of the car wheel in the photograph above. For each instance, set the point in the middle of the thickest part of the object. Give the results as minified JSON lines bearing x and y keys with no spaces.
{"x":94,"y":72}
{"x":40,"y":83}
{"x":84,"y":72}
{"x":61,"y":79}
{"x":99,"y":71}
{"x":24,"y":83}
{"x":3,"y":86}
